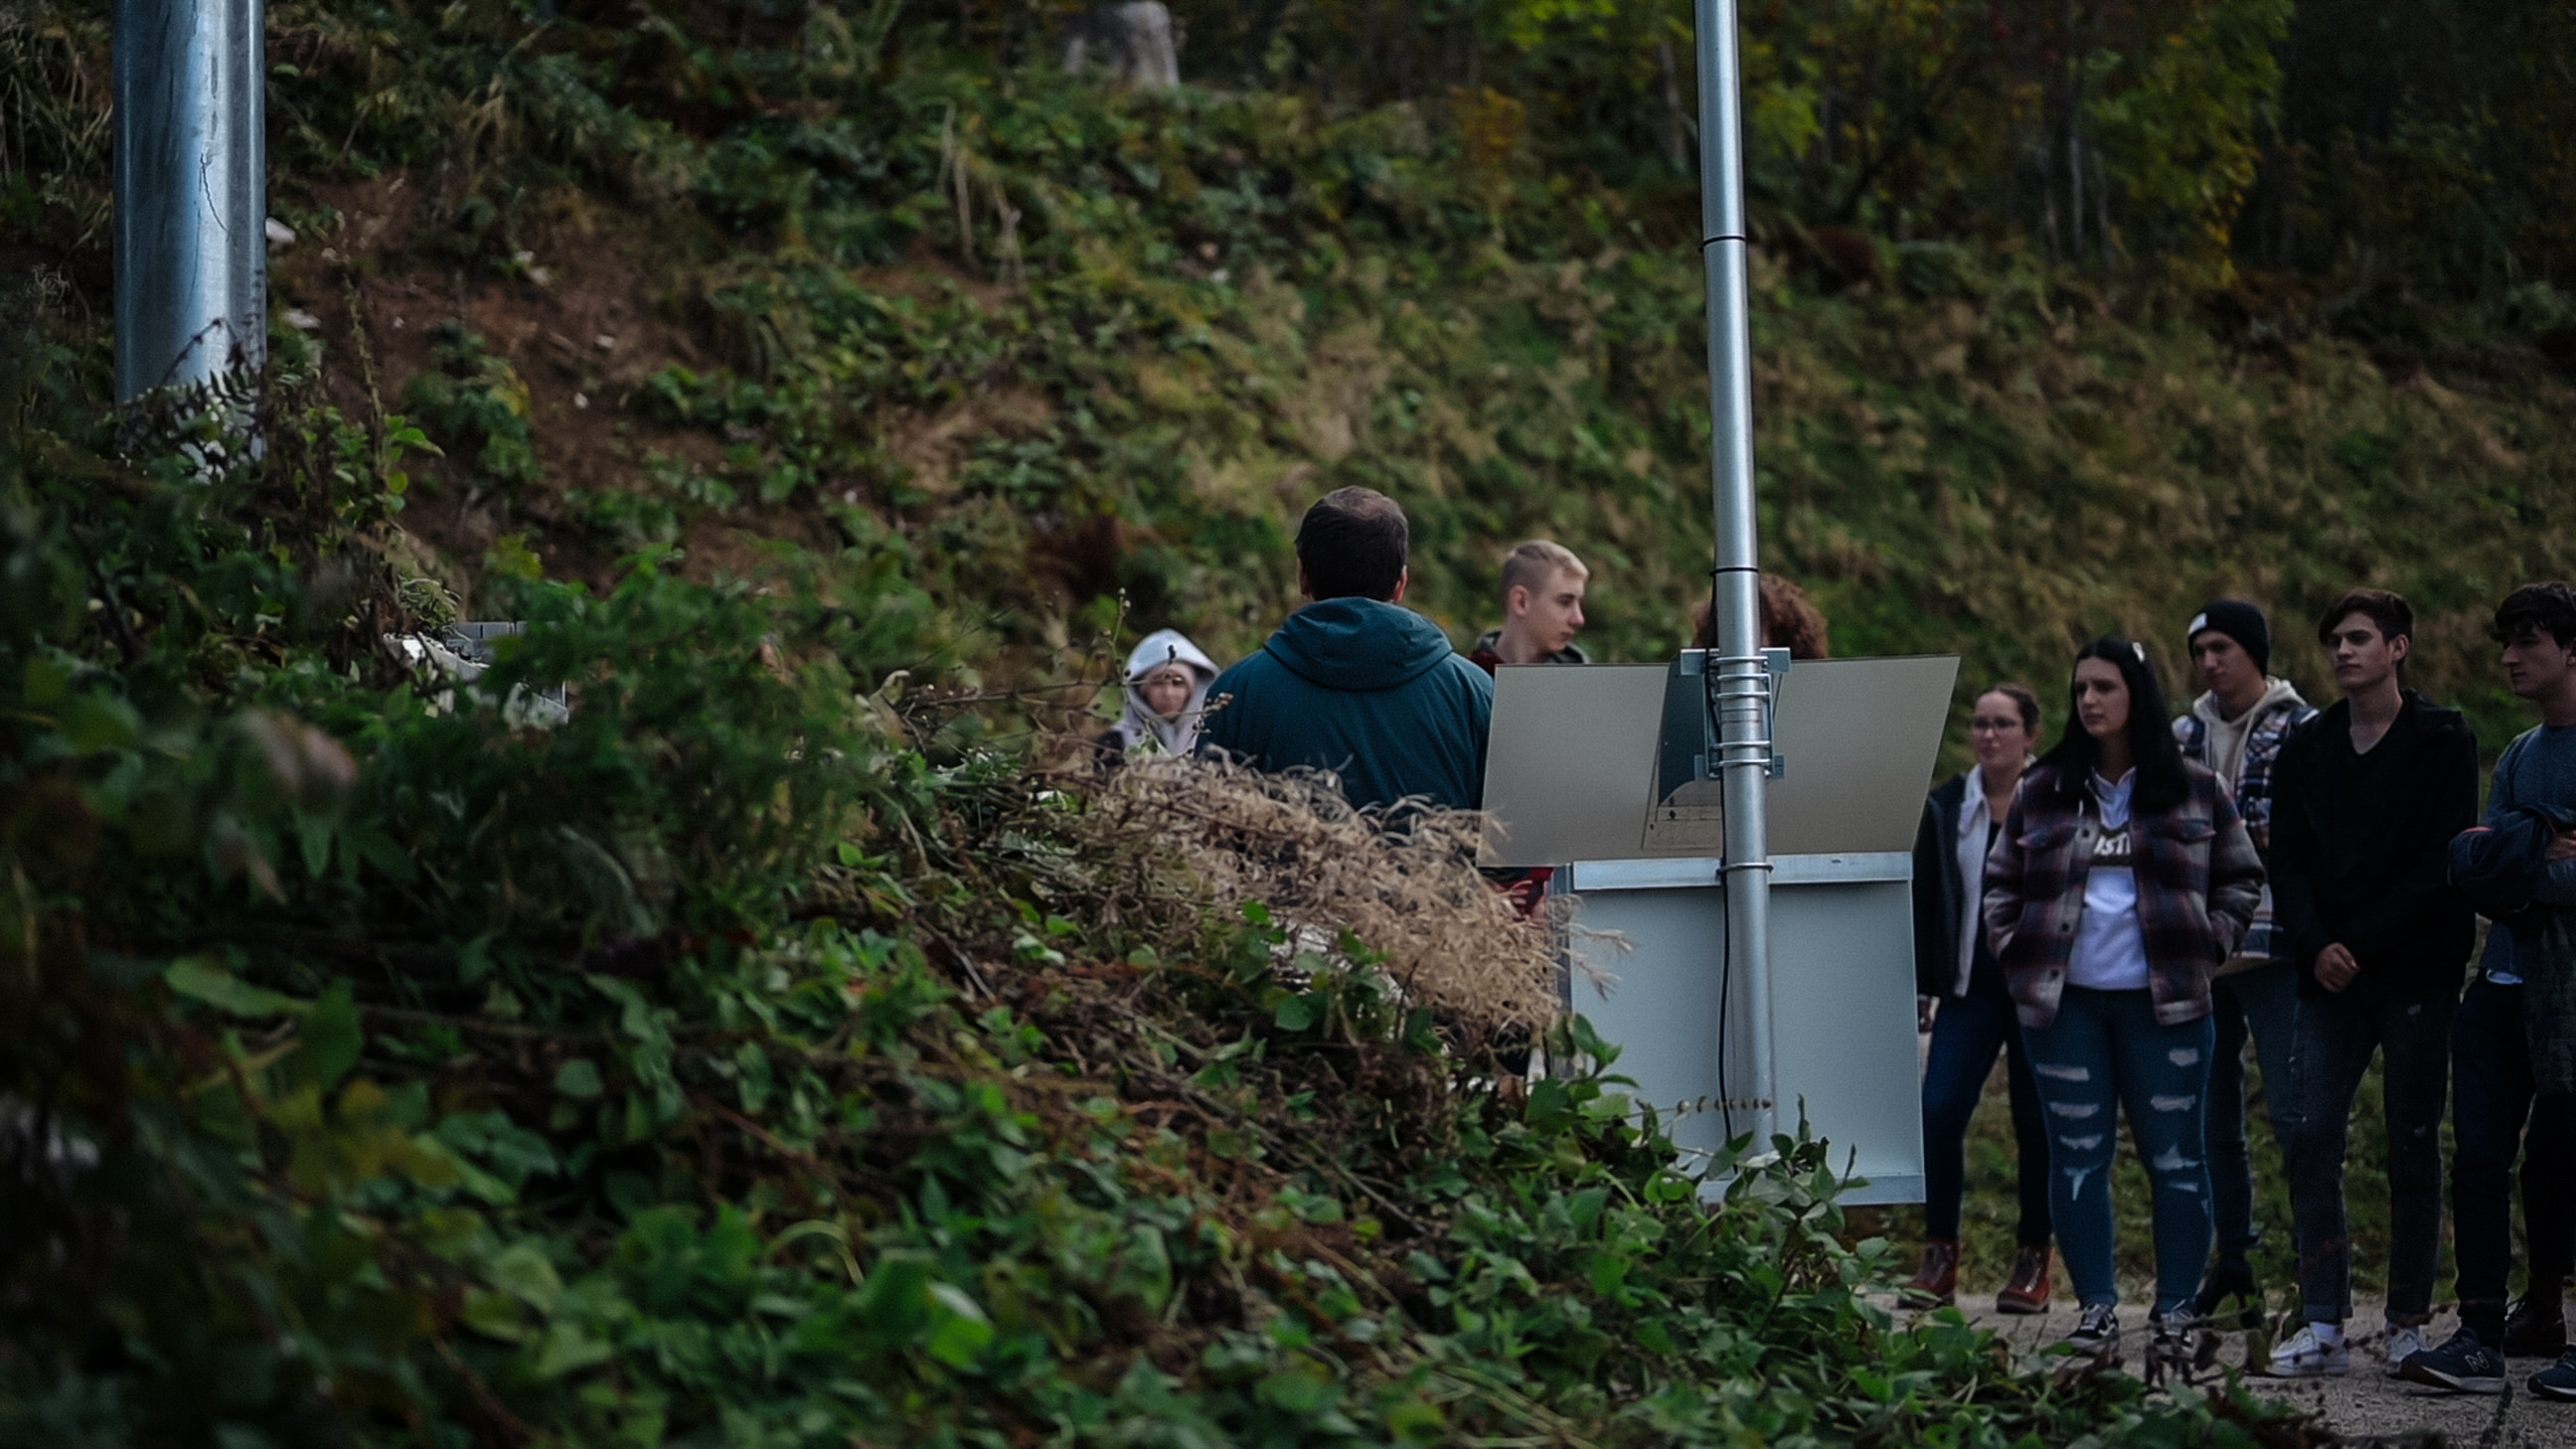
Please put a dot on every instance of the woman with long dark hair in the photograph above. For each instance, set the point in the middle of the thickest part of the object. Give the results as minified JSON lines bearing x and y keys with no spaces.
{"x":2122,"y":879}
{"x":1963,"y":1002}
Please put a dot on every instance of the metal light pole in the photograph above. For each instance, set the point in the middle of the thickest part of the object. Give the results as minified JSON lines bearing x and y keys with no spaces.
{"x":1739,"y":681}
{"x":191,"y":193}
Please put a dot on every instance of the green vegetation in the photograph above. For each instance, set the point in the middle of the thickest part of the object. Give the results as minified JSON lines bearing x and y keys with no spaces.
{"x":778,"y":1052}
{"x":715,"y":1068}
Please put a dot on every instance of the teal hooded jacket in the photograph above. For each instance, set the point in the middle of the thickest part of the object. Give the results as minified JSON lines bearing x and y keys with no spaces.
{"x":1370,"y":691}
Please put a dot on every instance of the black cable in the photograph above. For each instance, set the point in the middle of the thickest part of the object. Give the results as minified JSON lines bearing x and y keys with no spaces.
{"x":1726,"y":951}
{"x":1725,"y":985}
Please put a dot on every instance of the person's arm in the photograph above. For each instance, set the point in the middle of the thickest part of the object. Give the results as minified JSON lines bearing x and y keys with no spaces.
{"x":2235,"y":876}
{"x":2006,"y":869}
{"x":1929,"y":957}
{"x":2557,"y":883}
{"x":2294,"y":861}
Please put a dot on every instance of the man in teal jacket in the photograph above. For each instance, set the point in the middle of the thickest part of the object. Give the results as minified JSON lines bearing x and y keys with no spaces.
{"x":1353,"y":682}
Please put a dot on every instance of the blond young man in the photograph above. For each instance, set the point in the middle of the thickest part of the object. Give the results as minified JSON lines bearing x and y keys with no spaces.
{"x":1542,"y":596}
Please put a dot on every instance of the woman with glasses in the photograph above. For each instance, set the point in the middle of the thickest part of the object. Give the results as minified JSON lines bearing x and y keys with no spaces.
{"x":2120,"y":881}
{"x":1962,"y":1001}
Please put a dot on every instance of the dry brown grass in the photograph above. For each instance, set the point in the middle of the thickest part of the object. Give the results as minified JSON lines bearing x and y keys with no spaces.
{"x":1405,"y":888}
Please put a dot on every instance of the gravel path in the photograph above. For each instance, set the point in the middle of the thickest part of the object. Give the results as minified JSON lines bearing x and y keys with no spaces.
{"x":2364,"y":1405}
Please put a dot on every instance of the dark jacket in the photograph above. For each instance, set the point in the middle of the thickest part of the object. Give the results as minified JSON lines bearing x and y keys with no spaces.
{"x":2199,"y":882}
{"x":1370,"y":691}
{"x":2499,"y":865}
{"x":1484,"y":657}
{"x":1939,"y":891}
{"x":2361,"y":849}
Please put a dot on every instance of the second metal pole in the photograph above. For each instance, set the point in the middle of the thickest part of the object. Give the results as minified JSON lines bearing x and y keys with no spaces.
{"x":191,"y":193}
{"x":1740,"y":685}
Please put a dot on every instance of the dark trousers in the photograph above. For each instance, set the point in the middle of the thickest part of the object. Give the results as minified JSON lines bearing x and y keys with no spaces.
{"x":2549,"y":1198}
{"x":2336,"y":1037}
{"x":2261,"y":1003}
{"x":2491,"y":1101}
{"x":1966,"y":1035}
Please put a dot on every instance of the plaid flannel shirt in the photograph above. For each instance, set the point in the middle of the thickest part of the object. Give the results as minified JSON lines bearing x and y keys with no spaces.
{"x":2199,"y":881}
{"x":2263,"y":740}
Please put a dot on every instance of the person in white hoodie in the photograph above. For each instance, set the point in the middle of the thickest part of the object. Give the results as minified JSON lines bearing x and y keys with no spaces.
{"x":1167,"y":685}
{"x":2236,"y":729}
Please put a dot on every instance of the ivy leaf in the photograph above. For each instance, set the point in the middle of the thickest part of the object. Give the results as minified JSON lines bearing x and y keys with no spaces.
{"x":332,"y":1036}
{"x":522,"y":1271}
{"x":959,"y":1331}
{"x":1299,"y":1013}
{"x":578,"y":1078}
{"x":96,"y":722}
{"x":201,"y":980}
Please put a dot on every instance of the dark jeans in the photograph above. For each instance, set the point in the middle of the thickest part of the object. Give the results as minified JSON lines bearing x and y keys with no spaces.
{"x":1966,"y":1035}
{"x":2491,"y":1101}
{"x":2336,"y":1037}
{"x":2264,"y":1003}
{"x":2106,"y":1054}
{"x":2549,"y":1198}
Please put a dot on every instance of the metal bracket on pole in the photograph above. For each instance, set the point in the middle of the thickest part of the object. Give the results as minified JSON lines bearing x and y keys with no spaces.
{"x":1776,"y":661}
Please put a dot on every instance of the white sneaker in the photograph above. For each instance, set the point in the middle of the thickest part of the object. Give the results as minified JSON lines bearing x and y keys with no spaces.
{"x":2305,"y":1356}
{"x":2403,"y":1344}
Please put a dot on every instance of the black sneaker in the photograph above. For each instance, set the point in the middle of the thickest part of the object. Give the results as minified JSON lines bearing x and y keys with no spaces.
{"x":2558,"y":1381}
{"x":2097,"y":1333}
{"x":2535,"y":1327}
{"x":2465,"y":1365}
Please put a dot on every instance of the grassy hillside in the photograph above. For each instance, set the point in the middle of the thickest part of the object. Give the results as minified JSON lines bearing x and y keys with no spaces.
{"x":1044,"y":346}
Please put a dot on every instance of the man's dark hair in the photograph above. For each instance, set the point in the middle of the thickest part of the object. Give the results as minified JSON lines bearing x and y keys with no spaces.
{"x":2386,"y":612}
{"x":2161,"y":782}
{"x":2549,"y":608}
{"x":1353,"y":544}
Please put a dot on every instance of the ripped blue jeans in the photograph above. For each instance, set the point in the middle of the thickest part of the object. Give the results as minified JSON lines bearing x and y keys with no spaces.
{"x":2106,"y":1054}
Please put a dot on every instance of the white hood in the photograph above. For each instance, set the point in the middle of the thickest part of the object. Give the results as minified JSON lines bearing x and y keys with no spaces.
{"x":1176,"y":737}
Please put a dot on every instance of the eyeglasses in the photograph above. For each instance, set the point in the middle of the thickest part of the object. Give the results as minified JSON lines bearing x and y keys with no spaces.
{"x":1995,"y":726}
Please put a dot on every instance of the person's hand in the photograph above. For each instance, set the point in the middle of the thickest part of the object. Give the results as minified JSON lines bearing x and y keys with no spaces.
{"x":1925,"y":1008}
{"x":2335,"y":967}
{"x":2562,"y":846}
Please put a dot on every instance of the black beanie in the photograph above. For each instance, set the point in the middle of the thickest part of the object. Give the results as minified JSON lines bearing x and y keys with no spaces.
{"x":2240,"y":621}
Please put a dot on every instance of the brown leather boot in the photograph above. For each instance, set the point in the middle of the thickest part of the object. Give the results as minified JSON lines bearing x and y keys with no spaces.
{"x":2027,"y":1290}
{"x":1937,"y":1281}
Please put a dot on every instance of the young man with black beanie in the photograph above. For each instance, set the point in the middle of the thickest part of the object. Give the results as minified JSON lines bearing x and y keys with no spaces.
{"x":2365,"y":800}
{"x":2237,"y":729}
{"x":2512,"y":1079}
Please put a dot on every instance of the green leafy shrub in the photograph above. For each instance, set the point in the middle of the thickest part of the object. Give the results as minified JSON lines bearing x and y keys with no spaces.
{"x":476,"y":404}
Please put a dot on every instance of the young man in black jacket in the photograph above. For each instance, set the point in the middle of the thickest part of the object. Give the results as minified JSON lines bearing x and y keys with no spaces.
{"x":2365,"y":800}
{"x":2513,"y":1021}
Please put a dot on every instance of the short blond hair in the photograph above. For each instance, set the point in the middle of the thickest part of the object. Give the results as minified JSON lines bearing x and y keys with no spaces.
{"x":1532,"y":564}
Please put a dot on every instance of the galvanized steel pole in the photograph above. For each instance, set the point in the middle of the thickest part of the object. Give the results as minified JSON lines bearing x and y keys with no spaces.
{"x":191,"y":192}
{"x":1739,"y":681}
